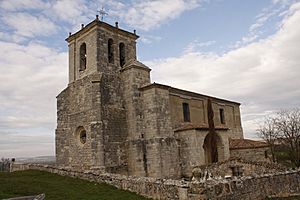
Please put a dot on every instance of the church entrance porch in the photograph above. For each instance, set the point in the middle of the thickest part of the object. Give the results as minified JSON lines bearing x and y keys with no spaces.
{"x":213,"y":148}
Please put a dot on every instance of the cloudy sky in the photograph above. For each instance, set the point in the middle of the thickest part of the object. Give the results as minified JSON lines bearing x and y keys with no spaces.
{"x":246,"y":51}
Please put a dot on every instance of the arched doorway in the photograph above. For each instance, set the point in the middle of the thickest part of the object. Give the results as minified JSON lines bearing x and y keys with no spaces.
{"x":212,"y":148}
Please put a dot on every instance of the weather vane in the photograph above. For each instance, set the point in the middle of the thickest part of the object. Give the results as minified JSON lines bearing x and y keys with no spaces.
{"x":102,"y":13}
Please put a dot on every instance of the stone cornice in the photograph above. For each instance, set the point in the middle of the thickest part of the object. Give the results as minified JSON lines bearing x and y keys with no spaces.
{"x":100,"y":24}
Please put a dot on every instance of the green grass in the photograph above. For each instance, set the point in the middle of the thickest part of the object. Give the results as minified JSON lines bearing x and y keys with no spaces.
{"x":32,"y":182}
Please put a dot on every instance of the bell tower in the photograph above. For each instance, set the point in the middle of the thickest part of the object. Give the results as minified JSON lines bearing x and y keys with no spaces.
{"x":99,"y":47}
{"x":92,"y":117}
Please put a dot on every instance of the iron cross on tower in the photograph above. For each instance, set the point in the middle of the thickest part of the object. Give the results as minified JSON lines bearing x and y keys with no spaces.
{"x":102,"y":13}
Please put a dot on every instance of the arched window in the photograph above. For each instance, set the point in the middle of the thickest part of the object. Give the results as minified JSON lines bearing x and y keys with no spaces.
{"x":82,"y":57}
{"x":110,"y":51}
{"x":122,"y":53}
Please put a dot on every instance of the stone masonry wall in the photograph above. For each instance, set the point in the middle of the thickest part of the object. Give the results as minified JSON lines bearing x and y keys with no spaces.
{"x":95,"y":105}
{"x":198,"y":112}
{"x":192,"y":152}
{"x":279,"y":184}
{"x":114,"y":128}
{"x":79,"y":106}
{"x":74,"y":55}
{"x":102,"y":50}
{"x":134,"y":75}
{"x":254,"y":154}
{"x":249,"y":168}
{"x":96,"y":38}
{"x":162,"y":147}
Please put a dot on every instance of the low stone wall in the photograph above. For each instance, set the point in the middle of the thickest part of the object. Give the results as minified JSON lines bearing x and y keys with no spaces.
{"x":254,"y":154}
{"x":249,"y":168}
{"x":279,"y":185}
{"x":19,"y":167}
{"x":258,"y":187}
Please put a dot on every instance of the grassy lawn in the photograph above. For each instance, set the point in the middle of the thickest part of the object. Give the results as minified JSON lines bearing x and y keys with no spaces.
{"x":32,"y":182}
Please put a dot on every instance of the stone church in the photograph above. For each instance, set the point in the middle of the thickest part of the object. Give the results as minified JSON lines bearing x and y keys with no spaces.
{"x":111,"y":117}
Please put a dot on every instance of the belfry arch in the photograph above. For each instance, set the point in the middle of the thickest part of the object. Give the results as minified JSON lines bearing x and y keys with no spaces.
{"x":82,"y":57}
{"x":122,"y":54}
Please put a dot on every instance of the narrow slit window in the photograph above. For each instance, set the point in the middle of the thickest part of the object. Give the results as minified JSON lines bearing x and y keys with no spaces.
{"x":82,"y":57}
{"x":122,"y":54}
{"x":82,"y":136}
{"x":186,"y":112}
{"x":222,"y":116}
{"x":110,"y":52}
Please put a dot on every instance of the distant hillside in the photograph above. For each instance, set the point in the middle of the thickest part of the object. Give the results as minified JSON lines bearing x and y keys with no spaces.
{"x":39,"y":159}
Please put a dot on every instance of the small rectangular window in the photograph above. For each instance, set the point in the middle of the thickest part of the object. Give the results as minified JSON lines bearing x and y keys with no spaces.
{"x":222,"y":116}
{"x":186,"y":112}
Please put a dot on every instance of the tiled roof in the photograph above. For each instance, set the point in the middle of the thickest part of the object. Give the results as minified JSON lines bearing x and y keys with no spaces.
{"x":246,"y":144}
{"x":178,"y":91}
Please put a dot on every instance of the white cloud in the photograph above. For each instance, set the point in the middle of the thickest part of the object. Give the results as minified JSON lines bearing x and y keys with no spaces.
{"x":29,"y":84}
{"x":31,"y":18}
{"x":13,"y":5}
{"x":196,"y":45}
{"x":263,"y":75}
{"x":152,"y":13}
{"x":278,"y":8}
{"x":149,"y":39}
{"x":70,"y":11}
{"x":31,"y":77}
{"x":47,"y":16}
{"x":284,"y":2}
{"x":12,"y":37}
{"x":28,"y":25}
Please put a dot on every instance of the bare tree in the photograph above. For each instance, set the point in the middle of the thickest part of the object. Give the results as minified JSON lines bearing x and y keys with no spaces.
{"x":268,"y":131}
{"x":288,"y":125}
